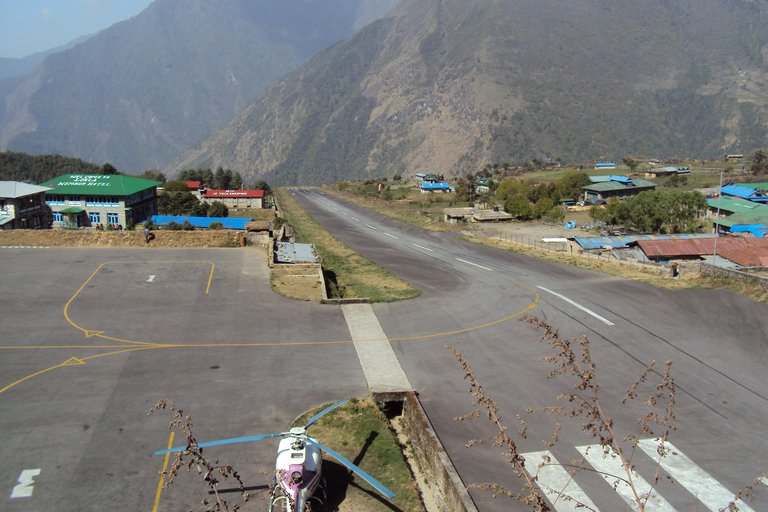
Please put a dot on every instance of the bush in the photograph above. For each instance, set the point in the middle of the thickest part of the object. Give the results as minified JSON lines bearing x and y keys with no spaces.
{"x":218,"y":209}
{"x":187,"y":226}
{"x":215,"y":226}
{"x":173,"y":226}
{"x":130,"y":225}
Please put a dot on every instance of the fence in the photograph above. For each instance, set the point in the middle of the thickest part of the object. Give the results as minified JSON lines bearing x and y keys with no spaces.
{"x":563,"y":248}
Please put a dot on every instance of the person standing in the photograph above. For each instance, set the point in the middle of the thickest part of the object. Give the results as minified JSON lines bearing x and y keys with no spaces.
{"x":147,"y":235}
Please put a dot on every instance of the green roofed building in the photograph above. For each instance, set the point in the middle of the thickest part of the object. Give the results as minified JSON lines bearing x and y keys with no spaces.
{"x":616,"y":186}
{"x":81,"y":200}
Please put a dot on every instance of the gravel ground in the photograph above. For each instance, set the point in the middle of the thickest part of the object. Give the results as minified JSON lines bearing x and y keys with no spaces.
{"x":531,"y":229}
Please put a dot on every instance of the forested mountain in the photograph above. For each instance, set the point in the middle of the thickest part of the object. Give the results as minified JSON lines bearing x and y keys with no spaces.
{"x":144,"y":90}
{"x":39,"y":169}
{"x":447,"y":85}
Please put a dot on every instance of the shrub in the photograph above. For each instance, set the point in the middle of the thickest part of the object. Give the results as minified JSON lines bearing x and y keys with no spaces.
{"x":187,"y":226}
{"x":173,"y":226}
{"x":216,"y":226}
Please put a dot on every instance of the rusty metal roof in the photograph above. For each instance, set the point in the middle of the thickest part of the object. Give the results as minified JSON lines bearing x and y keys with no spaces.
{"x":749,"y":256}
{"x":666,"y":249}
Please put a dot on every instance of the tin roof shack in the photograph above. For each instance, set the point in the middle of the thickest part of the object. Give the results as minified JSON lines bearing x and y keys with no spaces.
{"x":287,"y":252}
{"x":236,"y":198}
{"x":666,"y":172}
{"x":79,"y":200}
{"x":697,"y":248}
{"x":429,"y":187}
{"x":22,"y":206}
{"x":736,"y":212}
{"x":617,"y":186}
{"x":755,"y":194}
{"x":475,"y":214}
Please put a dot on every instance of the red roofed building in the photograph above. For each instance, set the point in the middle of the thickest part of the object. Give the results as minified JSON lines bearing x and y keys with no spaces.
{"x":236,"y":198}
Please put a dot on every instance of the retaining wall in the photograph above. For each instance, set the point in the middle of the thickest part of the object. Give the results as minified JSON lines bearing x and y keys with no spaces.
{"x":449,"y":490}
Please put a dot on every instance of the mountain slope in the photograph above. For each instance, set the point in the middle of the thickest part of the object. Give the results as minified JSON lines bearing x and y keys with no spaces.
{"x":10,"y":67}
{"x":446,"y":86}
{"x":142,"y":91}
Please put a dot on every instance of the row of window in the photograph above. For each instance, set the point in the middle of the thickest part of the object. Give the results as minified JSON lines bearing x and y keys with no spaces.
{"x":95,"y":218}
{"x":89,"y":201}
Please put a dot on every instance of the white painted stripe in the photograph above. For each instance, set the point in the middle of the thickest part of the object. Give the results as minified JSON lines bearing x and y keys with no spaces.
{"x":151,"y":279}
{"x":26,"y":484}
{"x":614,"y":473}
{"x":335,"y":208}
{"x":393,"y":236}
{"x":369,"y":226}
{"x":473,"y":264}
{"x":711,"y":493}
{"x":566,"y":299}
{"x":379,"y":362}
{"x":557,"y":484}
{"x":356,"y":220}
{"x":422,"y":247}
{"x":344,"y":213}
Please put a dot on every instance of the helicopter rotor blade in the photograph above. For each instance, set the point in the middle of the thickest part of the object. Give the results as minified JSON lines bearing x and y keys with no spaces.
{"x":324,"y":412}
{"x":362,"y":474}
{"x":222,"y":441}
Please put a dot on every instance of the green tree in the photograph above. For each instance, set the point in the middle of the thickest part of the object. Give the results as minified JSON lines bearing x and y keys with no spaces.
{"x":153,"y":175}
{"x":509,"y":188}
{"x":176,"y":203}
{"x":542,"y":207}
{"x":572,"y":184}
{"x":176,"y":186}
{"x":237,"y":181}
{"x":261,"y":184}
{"x":218,"y":209}
{"x":759,"y":161}
{"x":107,"y":168}
{"x":219,"y":179}
{"x":200,"y":209}
{"x":519,"y":207}
{"x":631,"y":163}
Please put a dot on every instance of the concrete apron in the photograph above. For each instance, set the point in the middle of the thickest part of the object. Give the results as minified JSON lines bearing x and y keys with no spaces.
{"x":380,"y":365}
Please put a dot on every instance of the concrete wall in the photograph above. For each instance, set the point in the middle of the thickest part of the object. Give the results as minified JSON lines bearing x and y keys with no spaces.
{"x":450,"y":491}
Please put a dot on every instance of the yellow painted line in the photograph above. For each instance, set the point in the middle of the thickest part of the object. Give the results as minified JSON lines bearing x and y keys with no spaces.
{"x":92,"y":333}
{"x":162,"y":475}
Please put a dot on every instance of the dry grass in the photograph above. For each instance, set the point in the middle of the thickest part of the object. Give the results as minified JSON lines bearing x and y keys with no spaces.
{"x":653,"y":277}
{"x":356,"y":276}
{"x":359,"y":431}
{"x":300,"y":282}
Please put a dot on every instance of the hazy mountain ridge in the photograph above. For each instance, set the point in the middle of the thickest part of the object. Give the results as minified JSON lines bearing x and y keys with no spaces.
{"x":448,"y":86}
{"x":144,"y":90}
{"x":10,"y":67}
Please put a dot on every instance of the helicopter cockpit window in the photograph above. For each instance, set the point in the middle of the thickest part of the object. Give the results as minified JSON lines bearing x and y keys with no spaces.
{"x":296,"y":477}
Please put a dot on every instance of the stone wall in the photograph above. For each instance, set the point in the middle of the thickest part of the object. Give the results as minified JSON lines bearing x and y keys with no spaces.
{"x":712,"y":270}
{"x":450,"y":491}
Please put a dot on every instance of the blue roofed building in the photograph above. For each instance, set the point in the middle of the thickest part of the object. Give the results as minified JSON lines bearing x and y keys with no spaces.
{"x":749,"y":193}
{"x":431,"y":187}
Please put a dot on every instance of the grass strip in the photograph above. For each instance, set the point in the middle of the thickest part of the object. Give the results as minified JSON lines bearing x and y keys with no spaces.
{"x":359,"y":431}
{"x":649,"y":276}
{"x":355,"y":276}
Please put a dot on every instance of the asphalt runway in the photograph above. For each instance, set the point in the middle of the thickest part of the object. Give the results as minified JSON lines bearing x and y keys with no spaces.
{"x":92,"y":338}
{"x":715,"y":339}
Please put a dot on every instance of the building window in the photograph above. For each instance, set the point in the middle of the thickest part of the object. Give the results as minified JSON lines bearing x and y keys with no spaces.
{"x":112,"y":219}
{"x":58,"y":217}
{"x":95,"y":218}
{"x":57,"y":200}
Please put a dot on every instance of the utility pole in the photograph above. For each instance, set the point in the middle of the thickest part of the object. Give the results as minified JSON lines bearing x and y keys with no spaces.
{"x":717,"y":221}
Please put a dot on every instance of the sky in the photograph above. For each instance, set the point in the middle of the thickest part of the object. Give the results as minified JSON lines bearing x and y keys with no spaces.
{"x":30,"y":26}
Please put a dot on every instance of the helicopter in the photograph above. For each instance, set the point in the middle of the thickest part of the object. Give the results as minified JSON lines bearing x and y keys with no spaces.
{"x":299,"y":481}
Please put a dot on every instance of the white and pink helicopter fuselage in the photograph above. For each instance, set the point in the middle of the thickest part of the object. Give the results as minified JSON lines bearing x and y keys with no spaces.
{"x":298,"y":474}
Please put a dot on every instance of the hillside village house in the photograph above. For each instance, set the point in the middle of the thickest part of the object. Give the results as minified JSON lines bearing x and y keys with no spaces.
{"x":236,"y":198}
{"x":79,"y":200}
{"x":606,"y":187}
{"x":22,"y":206}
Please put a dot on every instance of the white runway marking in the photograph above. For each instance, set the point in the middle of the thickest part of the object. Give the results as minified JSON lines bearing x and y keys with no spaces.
{"x":151,"y":279}
{"x":344,"y":213}
{"x":369,"y":226}
{"x":422,"y":247}
{"x":566,"y":299}
{"x":474,"y":264}
{"x":555,"y":481}
{"x":687,"y":473}
{"x":26,"y":484}
{"x":393,"y":236}
{"x":356,"y":220}
{"x":611,"y":469}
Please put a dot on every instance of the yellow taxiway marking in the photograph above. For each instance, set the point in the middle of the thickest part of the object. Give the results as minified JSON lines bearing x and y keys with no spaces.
{"x":162,"y":474}
{"x":91,"y":333}
{"x":139,"y":345}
